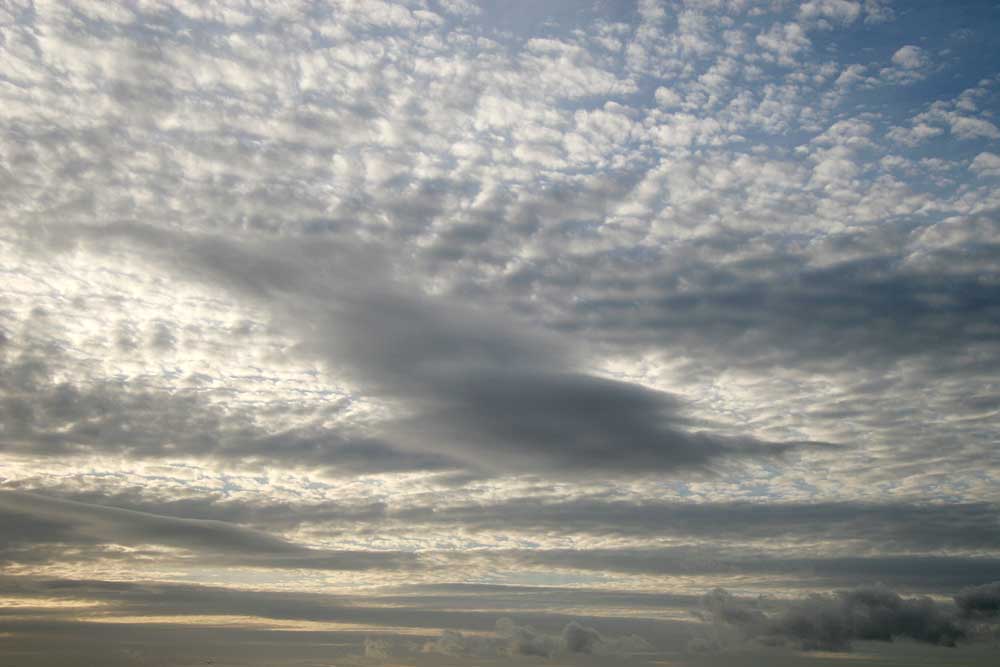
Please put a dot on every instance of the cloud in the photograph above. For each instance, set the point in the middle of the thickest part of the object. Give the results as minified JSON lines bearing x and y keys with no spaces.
{"x":578,"y":639}
{"x":821,"y":315}
{"x":909,"y":57}
{"x":47,"y":530}
{"x":878,"y":11}
{"x":891,"y":526}
{"x":960,"y":115}
{"x":44,"y":417}
{"x":35,"y":521}
{"x":468,"y":631}
{"x":965,"y":127}
{"x":913,"y":136}
{"x":525,"y":640}
{"x":337,"y":295}
{"x":513,"y":639}
{"x":903,"y":542}
{"x":840,"y":11}
{"x":832,"y":622}
{"x":979,"y":601}
{"x":986,"y":164}
{"x":452,"y":642}
{"x":909,"y":64}
{"x":480,"y":389}
{"x":921,"y":572}
{"x":729,"y":257}
{"x":379,"y":649}
{"x":785,"y":40}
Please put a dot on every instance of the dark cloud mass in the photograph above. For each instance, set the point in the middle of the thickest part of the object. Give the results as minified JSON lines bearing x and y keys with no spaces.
{"x":895,"y":525}
{"x":980,"y":601}
{"x":484,"y":391}
{"x":832,"y":622}
{"x":465,"y":333}
{"x":43,"y":417}
{"x":34,"y":519}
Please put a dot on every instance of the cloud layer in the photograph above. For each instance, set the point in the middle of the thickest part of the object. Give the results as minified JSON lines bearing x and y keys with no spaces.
{"x":459,"y":332}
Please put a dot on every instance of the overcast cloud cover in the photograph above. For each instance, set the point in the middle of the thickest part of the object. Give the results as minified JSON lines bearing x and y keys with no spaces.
{"x":496,"y":332}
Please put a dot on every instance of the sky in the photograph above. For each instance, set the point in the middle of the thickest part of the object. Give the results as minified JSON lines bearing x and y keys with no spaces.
{"x":646,"y":333}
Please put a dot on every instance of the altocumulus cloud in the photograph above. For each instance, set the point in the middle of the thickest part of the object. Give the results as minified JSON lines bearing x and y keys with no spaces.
{"x":335,"y":331}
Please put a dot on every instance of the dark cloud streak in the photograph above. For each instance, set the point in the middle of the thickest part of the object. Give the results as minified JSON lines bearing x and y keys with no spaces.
{"x":35,"y":520}
{"x":832,"y":622}
{"x":483,"y":390}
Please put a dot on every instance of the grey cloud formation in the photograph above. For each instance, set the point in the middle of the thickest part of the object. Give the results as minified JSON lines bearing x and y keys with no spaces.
{"x":40,"y":529}
{"x":543,"y":627}
{"x":255,"y":512}
{"x":918,"y":572}
{"x":44,"y":417}
{"x":832,"y":622}
{"x":927,"y":548}
{"x":574,"y":638}
{"x":886,"y":526}
{"x":483,"y":391}
{"x":890,"y":525}
{"x":33,"y":520}
{"x":527,"y":597}
{"x":826,"y":622}
{"x":862,"y":305}
{"x":980,"y":601}
{"x":523,"y":640}
{"x":391,"y":318}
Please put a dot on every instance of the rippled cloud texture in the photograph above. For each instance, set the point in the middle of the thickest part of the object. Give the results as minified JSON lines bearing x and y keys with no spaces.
{"x":499,"y":332}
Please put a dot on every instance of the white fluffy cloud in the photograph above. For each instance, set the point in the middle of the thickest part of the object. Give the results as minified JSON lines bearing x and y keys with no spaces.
{"x":986,"y":164}
{"x":909,"y":57}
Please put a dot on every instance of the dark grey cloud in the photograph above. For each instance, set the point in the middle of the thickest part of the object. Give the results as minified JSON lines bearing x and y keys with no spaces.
{"x":65,"y":643}
{"x":452,"y":601}
{"x":888,"y":525}
{"x":880,"y":312}
{"x":919,"y":572}
{"x":815,"y":622}
{"x":574,"y":639}
{"x":44,"y":417}
{"x":980,"y":601}
{"x":512,"y":597}
{"x":45,"y":529}
{"x":484,"y":390}
{"x":513,"y":639}
{"x":263,"y":513}
{"x":832,"y":622}
{"x":527,"y":421}
{"x":55,"y":642}
{"x":150,"y":598}
{"x":445,"y":223}
{"x":579,"y":639}
{"x":859,"y":297}
{"x":35,"y":520}
{"x":912,"y":528}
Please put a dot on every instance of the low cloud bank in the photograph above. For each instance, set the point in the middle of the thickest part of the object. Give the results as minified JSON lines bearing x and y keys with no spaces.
{"x":980,"y":601}
{"x":834,"y":621}
{"x":512,"y":639}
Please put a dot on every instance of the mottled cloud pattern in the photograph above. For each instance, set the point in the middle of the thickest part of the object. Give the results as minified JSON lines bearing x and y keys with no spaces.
{"x":462,"y":332}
